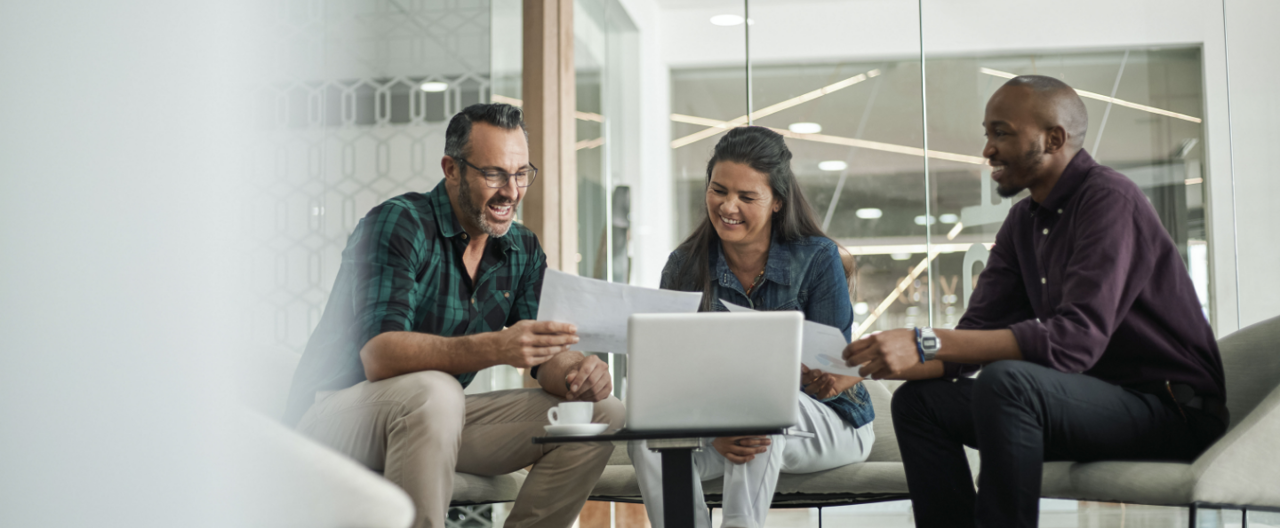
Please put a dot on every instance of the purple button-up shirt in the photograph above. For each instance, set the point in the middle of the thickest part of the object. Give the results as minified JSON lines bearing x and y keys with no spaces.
{"x":1089,"y":282}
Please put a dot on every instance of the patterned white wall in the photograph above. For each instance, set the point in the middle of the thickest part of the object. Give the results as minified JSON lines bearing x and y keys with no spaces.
{"x":343,"y":126}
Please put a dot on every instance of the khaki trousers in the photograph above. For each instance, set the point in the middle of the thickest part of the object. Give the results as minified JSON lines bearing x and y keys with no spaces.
{"x":419,"y":428}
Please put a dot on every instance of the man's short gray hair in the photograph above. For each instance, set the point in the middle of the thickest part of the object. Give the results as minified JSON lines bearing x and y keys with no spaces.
{"x":458,"y":136}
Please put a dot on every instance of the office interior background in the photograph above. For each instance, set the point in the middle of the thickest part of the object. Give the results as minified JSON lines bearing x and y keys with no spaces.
{"x":179,"y":180}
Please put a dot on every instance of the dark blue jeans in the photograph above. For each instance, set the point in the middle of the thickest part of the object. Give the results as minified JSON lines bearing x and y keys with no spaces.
{"x":1018,"y":415}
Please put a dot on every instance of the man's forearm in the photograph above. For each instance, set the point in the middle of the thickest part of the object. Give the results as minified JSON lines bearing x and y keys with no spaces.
{"x":552,"y":373}
{"x":928,"y":370}
{"x":977,"y":347}
{"x":391,"y":354}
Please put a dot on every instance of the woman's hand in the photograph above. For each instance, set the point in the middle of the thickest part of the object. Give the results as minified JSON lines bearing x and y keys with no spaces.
{"x":741,"y":449}
{"x":825,"y":385}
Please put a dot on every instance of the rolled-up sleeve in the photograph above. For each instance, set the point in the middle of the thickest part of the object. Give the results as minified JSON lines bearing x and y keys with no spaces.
{"x":1110,"y":261}
{"x":999,"y":299}
{"x":386,"y":252}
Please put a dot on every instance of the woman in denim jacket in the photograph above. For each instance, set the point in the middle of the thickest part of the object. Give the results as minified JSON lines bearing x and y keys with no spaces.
{"x":759,"y":246}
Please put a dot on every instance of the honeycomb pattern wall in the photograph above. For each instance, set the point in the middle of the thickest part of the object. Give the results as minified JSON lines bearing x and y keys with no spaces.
{"x":344,"y":122}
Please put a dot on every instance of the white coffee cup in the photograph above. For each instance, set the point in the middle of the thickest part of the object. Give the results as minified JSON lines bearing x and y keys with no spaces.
{"x":571,"y":413}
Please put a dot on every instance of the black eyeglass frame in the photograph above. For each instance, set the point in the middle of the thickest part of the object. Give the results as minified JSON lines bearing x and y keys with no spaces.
{"x":501,"y":175}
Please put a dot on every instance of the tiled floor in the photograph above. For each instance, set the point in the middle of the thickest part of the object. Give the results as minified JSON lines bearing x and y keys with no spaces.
{"x":1053,"y":514}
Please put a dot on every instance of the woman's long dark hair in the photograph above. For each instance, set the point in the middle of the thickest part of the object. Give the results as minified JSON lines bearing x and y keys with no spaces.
{"x":765,"y":151}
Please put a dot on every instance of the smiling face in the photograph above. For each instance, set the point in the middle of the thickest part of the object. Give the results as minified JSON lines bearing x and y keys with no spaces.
{"x":481,"y":208}
{"x":740,"y":204}
{"x":1015,"y":140}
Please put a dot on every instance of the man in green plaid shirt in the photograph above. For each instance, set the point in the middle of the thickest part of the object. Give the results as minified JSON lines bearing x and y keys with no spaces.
{"x":433,"y":288}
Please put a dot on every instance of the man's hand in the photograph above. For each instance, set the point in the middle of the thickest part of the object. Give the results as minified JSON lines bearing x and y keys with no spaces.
{"x":531,"y":343}
{"x":741,"y":449}
{"x":589,"y":380}
{"x":825,"y":385}
{"x":884,"y":354}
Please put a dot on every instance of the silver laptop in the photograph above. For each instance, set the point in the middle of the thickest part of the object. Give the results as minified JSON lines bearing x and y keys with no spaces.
{"x":713,"y":371}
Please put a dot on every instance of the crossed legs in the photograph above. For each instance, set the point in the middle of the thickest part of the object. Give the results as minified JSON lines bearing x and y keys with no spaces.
{"x":419,"y":428}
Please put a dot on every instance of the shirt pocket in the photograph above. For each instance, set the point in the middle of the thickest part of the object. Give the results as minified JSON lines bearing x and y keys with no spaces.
{"x":494,"y":309}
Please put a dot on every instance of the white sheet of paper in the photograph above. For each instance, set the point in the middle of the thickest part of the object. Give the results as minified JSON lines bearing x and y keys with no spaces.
{"x":822,"y":346}
{"x":600,"y":309}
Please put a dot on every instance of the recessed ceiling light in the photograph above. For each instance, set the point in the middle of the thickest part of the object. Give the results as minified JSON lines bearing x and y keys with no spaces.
{"x":434,"y":86}
{"x":833,"y":165}
{"x":949,"y":218}
{"x":805,"y":128}
{"x":899,"y":256}
{"x":726,"y":20}
{"x":860,"y":308}
{"x":920,"y":220}
{"x":869,"y":213}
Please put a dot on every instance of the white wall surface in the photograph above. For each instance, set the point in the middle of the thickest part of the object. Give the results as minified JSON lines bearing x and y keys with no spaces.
{"x":653,"y":192}
{"x":118,"y":222}
{"x":1253,"y":47}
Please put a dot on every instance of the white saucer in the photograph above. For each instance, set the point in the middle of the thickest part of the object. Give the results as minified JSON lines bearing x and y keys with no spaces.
{"x":575,"y":429}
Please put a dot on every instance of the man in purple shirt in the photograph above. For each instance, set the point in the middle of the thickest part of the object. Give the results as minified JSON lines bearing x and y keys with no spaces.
{"x":1085,"y":325}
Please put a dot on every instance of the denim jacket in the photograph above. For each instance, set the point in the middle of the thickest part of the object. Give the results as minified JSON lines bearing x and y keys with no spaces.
{"x":806,"y":275}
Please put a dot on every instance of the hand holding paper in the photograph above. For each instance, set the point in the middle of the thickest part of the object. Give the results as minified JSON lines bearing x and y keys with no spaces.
{"x":822,"y":346}
{"x":600,"y":309}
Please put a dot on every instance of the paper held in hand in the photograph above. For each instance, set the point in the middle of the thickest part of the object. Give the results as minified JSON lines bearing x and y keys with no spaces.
{"x":600,"y":309}
{"x":822,"y":347}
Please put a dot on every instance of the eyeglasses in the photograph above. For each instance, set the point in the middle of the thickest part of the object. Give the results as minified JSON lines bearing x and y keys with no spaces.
{"x":497,"y":179}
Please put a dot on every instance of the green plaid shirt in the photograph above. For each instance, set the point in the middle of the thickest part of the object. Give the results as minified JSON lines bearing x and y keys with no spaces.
{"x":402,"y":271}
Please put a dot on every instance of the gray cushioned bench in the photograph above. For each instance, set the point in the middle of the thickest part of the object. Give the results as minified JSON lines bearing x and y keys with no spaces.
{"x":1241,"y":470}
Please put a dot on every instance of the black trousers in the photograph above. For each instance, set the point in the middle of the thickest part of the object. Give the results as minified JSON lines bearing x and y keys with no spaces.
{"x":1018,"y":415}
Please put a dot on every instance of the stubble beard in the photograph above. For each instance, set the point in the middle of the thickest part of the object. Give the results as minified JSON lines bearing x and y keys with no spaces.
{"x":476,"y":213}
{"x":1027,"y":164}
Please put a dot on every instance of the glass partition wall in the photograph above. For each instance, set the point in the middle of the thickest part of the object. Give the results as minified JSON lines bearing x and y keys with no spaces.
{"x":889,"y":153}
{"x":843,"y":81}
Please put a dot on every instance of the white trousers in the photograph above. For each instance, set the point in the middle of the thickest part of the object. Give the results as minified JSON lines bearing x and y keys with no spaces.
{"x":748,"y":488}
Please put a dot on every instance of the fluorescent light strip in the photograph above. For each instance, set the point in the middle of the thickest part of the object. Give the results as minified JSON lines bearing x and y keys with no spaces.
{"x":1193,"y":181}
{"x":838,"y":140}
{"x":770,"y":110}
{"x":1105,"y":99}
{"x":884,"y":147}
{"x":590,"y":143}
{"x":893,"y":295}
{"x":907,"y":248}
{"x":582,"y":116}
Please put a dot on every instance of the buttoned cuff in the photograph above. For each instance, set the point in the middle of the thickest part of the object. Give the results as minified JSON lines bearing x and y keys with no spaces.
{"x":1033,"y":341}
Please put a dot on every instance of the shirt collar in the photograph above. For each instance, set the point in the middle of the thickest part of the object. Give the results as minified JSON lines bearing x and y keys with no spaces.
{"x":777,"y":267}
{"x":1072,"y":177}
{"x":447,"y":220}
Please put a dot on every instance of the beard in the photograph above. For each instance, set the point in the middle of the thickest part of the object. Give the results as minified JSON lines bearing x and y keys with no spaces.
{"x":1020,"y":169}
{"x":476,"y":212}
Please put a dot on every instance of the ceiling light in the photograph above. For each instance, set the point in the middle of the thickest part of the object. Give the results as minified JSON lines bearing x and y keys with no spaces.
{"x":869,"y":213}
{"x":1105,"y":99}
{"x":434,"y":86}
{"x":949,"y":218}
{"x":726,"y":20}
{"x":860,"y":308}
{"x":899,"y":256}
{"x":920,"y":220}
{"x":833,"y":165}
{"x":805,"y":128}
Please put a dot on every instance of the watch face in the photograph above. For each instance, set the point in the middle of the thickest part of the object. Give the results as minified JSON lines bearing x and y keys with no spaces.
{"x":929,"y":343}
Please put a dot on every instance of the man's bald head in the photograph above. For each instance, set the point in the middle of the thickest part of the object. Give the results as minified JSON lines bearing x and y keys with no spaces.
{"x":1053,"y":104}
